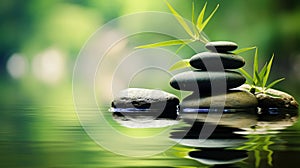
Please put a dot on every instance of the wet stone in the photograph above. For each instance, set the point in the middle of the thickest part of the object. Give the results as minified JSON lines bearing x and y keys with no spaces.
{"x":203,"y":80}
{"x":216,"y":61}
{"x":145,"y":102}
{"x":273,"y":98}
{"x":221,"y":46}
{"x":233,"y":99}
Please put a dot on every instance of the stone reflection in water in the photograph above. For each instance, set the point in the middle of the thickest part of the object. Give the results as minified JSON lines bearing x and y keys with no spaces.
{"x":222,"y":136}
{"x":261,"y":136}
{"x":218,"y":149}
{"x":239,"y":138}
{"x":270,"y":121}
{"x":143,"y":121}
{"x":218,"y":156}
{"x":241,"y":119}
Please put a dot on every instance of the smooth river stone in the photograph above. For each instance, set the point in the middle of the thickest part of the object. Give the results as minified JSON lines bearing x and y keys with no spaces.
{"x":214,"y":61}
{"x":202,"y":80}
{"x":221,"y":46}
{"x":233,"y":99}
{"x":145,"y":102}
{"x":273,"y":98}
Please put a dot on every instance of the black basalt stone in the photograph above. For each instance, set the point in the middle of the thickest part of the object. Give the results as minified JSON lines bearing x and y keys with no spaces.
{"x":147,"y":102}
{"x":203,"y":80}
{"x":221,"y":46}
{"x":216,"y":61}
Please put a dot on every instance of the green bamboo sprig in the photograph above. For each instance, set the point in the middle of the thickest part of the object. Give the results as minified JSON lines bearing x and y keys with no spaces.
{"x":195,"y":33}
{"x":259,"y":78}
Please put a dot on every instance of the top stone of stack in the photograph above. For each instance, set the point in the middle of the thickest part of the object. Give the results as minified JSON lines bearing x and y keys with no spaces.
{"x":221,"y":46}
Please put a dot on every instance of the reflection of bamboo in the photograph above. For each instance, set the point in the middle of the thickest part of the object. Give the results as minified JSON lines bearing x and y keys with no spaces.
{"x":257,"y":157}
{"x":266,"y":148}
{"x":258,"y":143}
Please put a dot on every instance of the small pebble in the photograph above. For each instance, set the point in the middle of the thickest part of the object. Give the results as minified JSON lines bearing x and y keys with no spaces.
{"x":221,"y":46}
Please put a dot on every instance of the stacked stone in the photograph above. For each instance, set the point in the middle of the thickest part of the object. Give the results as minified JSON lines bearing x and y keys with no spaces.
{"x":213,"y":80}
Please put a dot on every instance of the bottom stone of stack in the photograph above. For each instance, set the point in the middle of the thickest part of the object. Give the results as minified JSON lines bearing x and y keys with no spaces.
{"x":232,"y":101}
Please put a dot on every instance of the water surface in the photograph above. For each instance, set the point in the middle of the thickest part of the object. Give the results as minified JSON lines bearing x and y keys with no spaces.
{"x":51,"y":136}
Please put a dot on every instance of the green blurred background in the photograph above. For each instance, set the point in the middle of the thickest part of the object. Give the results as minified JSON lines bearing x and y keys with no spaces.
{"x":40,"y":41}
{"x":46,"y":36}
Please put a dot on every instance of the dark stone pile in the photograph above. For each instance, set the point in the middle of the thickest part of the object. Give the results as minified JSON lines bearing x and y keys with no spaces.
{"x":214,"y":80}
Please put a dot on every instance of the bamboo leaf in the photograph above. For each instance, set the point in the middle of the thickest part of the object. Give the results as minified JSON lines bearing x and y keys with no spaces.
{"x":180,"y":64}
{"x":245,"y":73}
{"x":255,"y":64}
{"x":243,"y":50}
{"x":258,"y":79}
{"x":263,"y":71}
{"x":203,"y":39}
{"x":165,"y":43}
{"x":181,"y":47}
{"x":208,"y":19}
{"x":200,"y":17}
{"x":193,"y":12}
{"x":274,"y":83}
{"x":269,"y":66}
{"x":193,"y":21}
{"x":180,"y":20}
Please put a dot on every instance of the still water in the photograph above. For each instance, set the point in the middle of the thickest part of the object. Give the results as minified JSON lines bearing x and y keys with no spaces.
{"x":47,"y":136}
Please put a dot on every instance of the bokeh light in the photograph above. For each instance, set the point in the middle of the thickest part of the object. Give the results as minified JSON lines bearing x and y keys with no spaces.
{"x":17,"y":66}
{"x":49,"y":66}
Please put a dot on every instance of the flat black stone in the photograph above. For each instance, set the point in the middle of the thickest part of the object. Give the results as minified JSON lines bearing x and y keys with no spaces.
{"x":203,"y":80}
{"x":216,"y":61}
{"x":221,"y":46}
{"x":145,"y":102}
